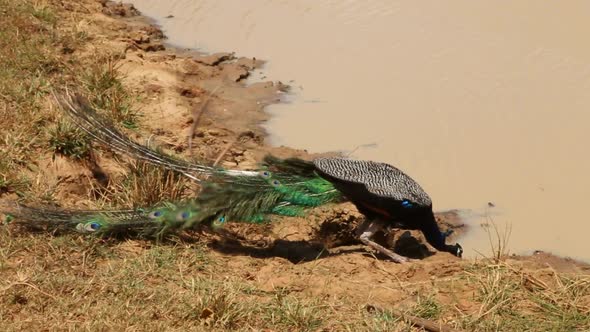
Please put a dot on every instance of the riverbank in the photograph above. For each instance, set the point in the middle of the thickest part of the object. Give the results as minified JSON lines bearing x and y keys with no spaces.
{"x":306,"y":274}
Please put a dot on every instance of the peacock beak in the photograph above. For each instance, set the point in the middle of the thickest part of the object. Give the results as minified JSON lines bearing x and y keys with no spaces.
{"x":459,"y":252}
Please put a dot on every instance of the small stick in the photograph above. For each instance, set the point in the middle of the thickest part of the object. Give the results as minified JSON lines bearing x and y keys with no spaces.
{"x":426,"y":324}
{"x":22,"y":283}
{"x":224,"y":151}
{"x":197,"y":118}
{"x":227,"y":147}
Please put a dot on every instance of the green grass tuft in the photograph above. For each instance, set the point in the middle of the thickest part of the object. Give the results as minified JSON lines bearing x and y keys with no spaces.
{"x":68,"y":140}
{"x":427,"y":307}
{"x":105,"y":89}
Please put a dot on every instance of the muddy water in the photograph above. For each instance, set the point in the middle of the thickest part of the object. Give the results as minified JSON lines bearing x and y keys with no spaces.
{"x":480,"y":101}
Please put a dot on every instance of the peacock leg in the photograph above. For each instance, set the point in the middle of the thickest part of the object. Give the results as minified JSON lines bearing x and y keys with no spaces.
{"x":368,"y":232}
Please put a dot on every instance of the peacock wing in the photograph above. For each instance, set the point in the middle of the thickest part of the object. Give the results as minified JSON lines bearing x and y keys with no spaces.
{"x":379,"y":179}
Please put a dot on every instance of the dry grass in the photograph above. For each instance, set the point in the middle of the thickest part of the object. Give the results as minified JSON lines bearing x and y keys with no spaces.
{"x":36,"y":57}
{"x":518,"y":300}
{"x":79,"y":283}
{"x":146,"y":185}
{"x":39,"y":55}
{"x":498,"y":238}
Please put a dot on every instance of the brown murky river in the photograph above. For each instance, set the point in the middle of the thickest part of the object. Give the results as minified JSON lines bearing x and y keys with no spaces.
{"x":480,"y":101}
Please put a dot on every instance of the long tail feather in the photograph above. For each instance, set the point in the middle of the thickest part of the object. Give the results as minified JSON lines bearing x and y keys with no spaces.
{"x":294,"y":166}
{"x":154,"y":223}
{"x":269,"y":193}
{"x":105,"y":132}
{"x":248,"y":199}
{"x":104,"y":222}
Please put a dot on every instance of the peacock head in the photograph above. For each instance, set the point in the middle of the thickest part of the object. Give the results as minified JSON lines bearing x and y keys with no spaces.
{"x":425,"y":221}
{"x":455,"y":249}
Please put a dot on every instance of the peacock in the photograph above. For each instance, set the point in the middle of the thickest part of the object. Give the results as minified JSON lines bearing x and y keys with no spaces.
{"x":285,"y":187}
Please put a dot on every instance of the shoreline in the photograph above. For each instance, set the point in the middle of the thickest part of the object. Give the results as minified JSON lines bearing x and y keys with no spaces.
{"x":197,"y":78}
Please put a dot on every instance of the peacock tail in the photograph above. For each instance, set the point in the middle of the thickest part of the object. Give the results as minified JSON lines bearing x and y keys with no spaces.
{"x":250,"y":198}
{"x":100,"y":222}
{"x":224,"y":197}
{"x":250,"y":201}
{"x":286,"y":187}
{"x":103,"y":131}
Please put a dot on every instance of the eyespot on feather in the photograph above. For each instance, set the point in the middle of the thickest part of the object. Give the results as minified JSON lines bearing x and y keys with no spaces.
{"x":265,"y":174}
{"x":218,"y":222}
{"x":156,"y":214}
{"x":91,"y":227}
{"x":184,"y":215}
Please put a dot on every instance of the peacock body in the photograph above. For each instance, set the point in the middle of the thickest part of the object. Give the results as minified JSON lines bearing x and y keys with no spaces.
{"x":286,"y":187}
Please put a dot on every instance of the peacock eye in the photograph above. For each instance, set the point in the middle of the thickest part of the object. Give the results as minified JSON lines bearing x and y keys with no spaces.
{"x":406,"y":203}
{"x":156,"y":214}
{"x":182,"y":216}
{"x":89,"y":227}
{"x":94,"y":225}
{"x":276,"y":183}
{"x":221,"y":219}
{"x":265,"y":174}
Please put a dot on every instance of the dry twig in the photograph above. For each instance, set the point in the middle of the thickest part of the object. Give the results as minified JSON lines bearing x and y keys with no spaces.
{"x":426,"y":324}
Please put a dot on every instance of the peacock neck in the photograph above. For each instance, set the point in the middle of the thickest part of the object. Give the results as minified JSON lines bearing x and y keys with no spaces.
{"x":431,"y":231}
